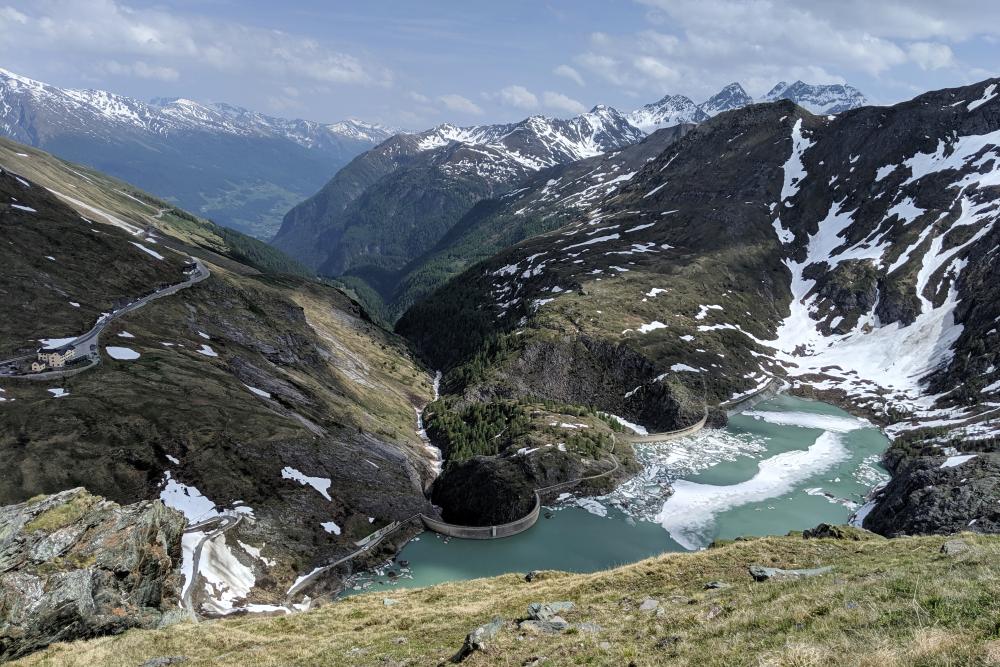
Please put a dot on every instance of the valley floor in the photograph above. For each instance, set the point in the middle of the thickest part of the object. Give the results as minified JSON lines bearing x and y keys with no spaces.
{"x":907,"y":601}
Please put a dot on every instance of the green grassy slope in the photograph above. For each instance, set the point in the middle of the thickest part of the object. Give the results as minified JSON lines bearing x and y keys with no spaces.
{"x":886,"y":603}
{"x":91,"y":189}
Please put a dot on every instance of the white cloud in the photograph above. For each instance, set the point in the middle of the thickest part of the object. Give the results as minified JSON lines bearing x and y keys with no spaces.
{"x":460,"y":104}
{"x":160,"y":43}
{"x":142,"y":70}
{"x":9,"y":16}
{"x":519,"y":97}
{"x":703,"y":44}
{"x":562,"y":102}
{"x":655,"y":69}
{"x":570,"y":73}
{"x":928,"y":55}
{"x":417,"y":97}
{"x":608,"y":68}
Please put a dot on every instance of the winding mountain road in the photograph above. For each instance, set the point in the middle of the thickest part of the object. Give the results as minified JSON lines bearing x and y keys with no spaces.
{"x":85,"y":346}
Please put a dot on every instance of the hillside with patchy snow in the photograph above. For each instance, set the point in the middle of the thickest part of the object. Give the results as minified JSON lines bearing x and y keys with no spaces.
{"x":395,"y":202}
{"x":264,"y":403}
{"x":849,"y":255}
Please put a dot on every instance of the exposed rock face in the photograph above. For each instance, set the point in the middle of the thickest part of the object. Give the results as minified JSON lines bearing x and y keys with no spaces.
{"x":590,"y":371}
{"x":76,"y":565}
{"x":485,"y":491}
{"x":925,"y":498}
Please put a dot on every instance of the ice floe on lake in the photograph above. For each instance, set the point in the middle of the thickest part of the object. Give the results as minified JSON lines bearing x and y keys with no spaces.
{"x":834,"y":423}
{"x":641,"y":497}
{"x":689,"y":514}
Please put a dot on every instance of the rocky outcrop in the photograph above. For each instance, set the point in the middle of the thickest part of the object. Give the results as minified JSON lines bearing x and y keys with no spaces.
{"x":485,"y":491}
{"x":925,"y":498}
{"x":74,"y":565}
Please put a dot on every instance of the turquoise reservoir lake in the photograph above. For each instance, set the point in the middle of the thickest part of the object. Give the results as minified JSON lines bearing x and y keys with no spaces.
{"x":787,"y":464}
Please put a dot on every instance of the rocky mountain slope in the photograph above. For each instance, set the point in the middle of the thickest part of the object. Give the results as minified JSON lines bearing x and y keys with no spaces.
{"x":674,"y":109}
{"x":412,"y":212}
{"x":848,"y":254}
{"x":263,"y":401}
{"x":395,"y":202}
{"x":107,"y":200}
{"x":819,"y":99}
{"x":73,"y":566}
{"x":243,"y":169}
{"x":541,"y":202}
{"x":895,"y":603}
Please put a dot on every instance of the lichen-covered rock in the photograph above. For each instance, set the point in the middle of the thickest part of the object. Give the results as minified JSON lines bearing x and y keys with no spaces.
{"x":761,"y":573}
{"x":74,"y":565}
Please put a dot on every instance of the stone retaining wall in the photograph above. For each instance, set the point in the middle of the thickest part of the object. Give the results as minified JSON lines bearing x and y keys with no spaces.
{"x":669,"y":435}
{"x":768,"y":391}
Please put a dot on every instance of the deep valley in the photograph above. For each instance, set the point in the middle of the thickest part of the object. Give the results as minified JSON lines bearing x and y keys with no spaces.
{"x":712,"y":382}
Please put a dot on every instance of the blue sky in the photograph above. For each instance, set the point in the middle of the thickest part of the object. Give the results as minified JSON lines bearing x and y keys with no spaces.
{"x":415,"y":64}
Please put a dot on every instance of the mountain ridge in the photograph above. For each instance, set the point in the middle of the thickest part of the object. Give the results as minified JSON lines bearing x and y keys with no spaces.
{"x":242,"y":168}
{"x":673,"y":109}
{"x":337,"y":231}
{"x":171,"y":114}
{"x":374,"y":204}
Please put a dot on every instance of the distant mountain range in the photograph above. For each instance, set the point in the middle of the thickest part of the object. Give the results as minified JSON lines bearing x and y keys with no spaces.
{"x":241,"y":168}
{"x":400,"y":219}
{"x":396,"y":201}
{"x":676,"y":109}
{"x":352,"y":199}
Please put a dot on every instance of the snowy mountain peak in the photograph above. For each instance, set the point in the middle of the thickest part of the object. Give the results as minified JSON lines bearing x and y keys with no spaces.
{"x":669,"y":110}
{"x":779,"y":88}
{"x":539,"y":141}
{"x":353,"y":128}
{"x":32,"y":111}
{"x":731,"y":97}
{"x":6,"y":76}
{"x":819,"y":99}
{"x":676,"y":109}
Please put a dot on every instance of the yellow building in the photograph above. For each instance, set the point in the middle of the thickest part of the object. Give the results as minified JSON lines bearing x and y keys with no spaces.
{"x":51,"y":358}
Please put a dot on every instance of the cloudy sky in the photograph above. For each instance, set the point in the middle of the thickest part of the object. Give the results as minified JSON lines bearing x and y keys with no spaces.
{"x":414,"y":64}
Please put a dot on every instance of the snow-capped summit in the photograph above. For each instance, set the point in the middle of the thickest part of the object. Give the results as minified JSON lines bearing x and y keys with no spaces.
{"x":676,"y":109}
{"x":819,"y":99}
{"x":731,"y":97}
{"x":242,"y":168}
{"x":669,"y":110}
{"x":539,"y":141}
{"x":32,"y":111}
{"x":353,"y":128}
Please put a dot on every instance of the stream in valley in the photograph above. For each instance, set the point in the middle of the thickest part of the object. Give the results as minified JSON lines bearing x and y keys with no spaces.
{"x":787,"y":464}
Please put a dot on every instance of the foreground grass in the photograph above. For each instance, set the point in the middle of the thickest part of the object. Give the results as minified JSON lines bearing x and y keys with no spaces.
{"x":886,"y":603}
